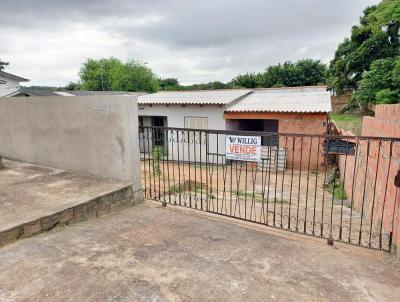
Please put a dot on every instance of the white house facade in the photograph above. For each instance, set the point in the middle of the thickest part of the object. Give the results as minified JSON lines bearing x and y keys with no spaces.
{"x":10,"y":84}
{"x":189,"y":110}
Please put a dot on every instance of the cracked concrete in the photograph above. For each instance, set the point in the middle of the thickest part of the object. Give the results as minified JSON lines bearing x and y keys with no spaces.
{"x":150,"y":253}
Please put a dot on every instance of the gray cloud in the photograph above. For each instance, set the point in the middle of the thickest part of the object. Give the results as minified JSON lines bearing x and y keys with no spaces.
{"x":196,"y":41}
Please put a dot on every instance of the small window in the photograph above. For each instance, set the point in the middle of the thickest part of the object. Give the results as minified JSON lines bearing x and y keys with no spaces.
{"x":196,"y":122}
{"x":192,"y":122}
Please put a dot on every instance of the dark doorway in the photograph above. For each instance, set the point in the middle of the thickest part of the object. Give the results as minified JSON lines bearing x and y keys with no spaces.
{"x":159,"y":139}
{"x":270,"y":126}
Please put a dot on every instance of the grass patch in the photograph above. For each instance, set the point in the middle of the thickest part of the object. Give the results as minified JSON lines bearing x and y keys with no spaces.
{"x":337,"y":190}
{"x":258,"y":197}
{"x":348,"y":122}
{"x":188,"y":185}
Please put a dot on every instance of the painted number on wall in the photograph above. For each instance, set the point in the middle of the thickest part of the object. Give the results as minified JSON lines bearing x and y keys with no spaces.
{"x":101,"y":107}
{"x":244,"y":148}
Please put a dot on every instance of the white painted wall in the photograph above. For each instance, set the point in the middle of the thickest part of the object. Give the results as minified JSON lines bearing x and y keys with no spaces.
{"x":10,"y":86}
{"x":187,"y":151}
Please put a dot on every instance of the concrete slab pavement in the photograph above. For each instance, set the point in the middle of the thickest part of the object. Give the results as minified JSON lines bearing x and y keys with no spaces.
{"x":150,"y":253}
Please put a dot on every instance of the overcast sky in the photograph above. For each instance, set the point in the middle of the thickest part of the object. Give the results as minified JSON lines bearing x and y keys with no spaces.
{"x":194,"y":41}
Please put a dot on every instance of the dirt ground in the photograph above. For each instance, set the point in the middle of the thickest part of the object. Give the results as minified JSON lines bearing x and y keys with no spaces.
{"x":295,"y":200}
{"x":150,"y":253}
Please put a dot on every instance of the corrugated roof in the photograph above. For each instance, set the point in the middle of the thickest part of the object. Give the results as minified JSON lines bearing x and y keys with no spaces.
{"x":27,"y":91}
{"x":215,"y":97}
{"x":4,"y":74}
{"x":312,"y":99}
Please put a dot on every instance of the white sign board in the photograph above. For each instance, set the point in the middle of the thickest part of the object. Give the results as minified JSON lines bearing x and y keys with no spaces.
{"x":244,"y":148}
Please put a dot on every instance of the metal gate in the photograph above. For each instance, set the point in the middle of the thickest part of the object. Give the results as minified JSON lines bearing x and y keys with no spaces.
{"x":340,"y":188}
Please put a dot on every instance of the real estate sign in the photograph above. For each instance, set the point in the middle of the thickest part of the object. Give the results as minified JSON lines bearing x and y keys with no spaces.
{"x":244,"y":148}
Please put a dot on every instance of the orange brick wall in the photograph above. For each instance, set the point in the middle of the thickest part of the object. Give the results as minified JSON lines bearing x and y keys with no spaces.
{"x":301,"y":152}
{"x":375,"y":167}
{"x":307,"y":151}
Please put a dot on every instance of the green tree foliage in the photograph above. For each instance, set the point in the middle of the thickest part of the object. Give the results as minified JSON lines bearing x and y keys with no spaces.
{"x":114,"y":75}
{"x":169,"y":84}
{"x":3,"y":65}
{"x":301,"y":73}
{"x":381,"y":84}
{"x":73,"y":86}
{"x":377,"y":37}
{"x":248,"y":80}
{"x":206,"y":86}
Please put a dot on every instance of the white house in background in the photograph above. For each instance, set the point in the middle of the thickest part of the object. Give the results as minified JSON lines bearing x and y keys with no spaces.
{"x":203,"y":109}
{"x":10,"y":84}
{"x":302,"y":110}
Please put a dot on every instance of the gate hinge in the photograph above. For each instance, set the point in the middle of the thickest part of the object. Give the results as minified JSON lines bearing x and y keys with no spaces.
{"x":397,"y":179}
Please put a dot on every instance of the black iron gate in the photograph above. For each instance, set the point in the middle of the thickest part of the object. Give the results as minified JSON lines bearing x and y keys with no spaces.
{"x":339,"y":188}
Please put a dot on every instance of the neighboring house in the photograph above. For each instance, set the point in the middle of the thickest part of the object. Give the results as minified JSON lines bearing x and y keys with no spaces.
{"x":10,"y":84}
{"x":203,"y":109}
{"x":300,"y":110}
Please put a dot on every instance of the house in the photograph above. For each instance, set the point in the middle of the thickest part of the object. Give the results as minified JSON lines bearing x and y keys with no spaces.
{"x":290,"y":110}
{"x":10,"y":83}
{"x":203,"y":109}
{"x":298,"y":110}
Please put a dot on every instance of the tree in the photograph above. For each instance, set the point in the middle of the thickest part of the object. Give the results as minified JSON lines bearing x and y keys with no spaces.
{"x":302,"y":73}
{"x":381,"y":84}
{"x":114,"y":75}
{"x":377,"y":37}
{"x":248,"y":80}
{"x":3,"y":64}
{"x":169,"y":84}
{"x":72,"y":86}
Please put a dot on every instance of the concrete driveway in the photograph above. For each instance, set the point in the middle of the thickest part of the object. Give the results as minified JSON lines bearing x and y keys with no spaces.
{"x":149,"y":253}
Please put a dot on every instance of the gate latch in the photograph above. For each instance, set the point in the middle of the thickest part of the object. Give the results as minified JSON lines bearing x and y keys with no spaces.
{"x":397,"y":179}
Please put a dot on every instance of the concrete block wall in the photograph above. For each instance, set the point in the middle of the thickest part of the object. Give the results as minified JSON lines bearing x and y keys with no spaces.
{"x":375,"y":167}
{"x":96,"y":135}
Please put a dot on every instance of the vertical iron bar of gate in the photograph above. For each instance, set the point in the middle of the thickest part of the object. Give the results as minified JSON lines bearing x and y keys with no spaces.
{"x":384,"y":198}
{"x":269,"y":181}
{"x":357,"y":151}
{"x":172,"y":157}
{"x":201,"y":170}
{"x":291,"y":183}
{"x":276,"y":178}
{"x":263,"y":184}
{"x":183,"y":185}
{"x":363,"y":199}
{"x":308,"y":180}
{"x":316,"y":186}
{"x":207,"y":169}
{"x":217,"y":193}
{"x":283,"y":180}
{"x":195,"y":168}
{"x":374,"y":194}
{"x":298,"y":190}
{"x":142,"y":158}
{"x":343,"y":190}
{"x":333,"y":198}
{"x":164,"y":138}
{"x":168,"y":166}
{"x":178,"y":189}
{"x":151,"y":162}
{"x":189,"y":164}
